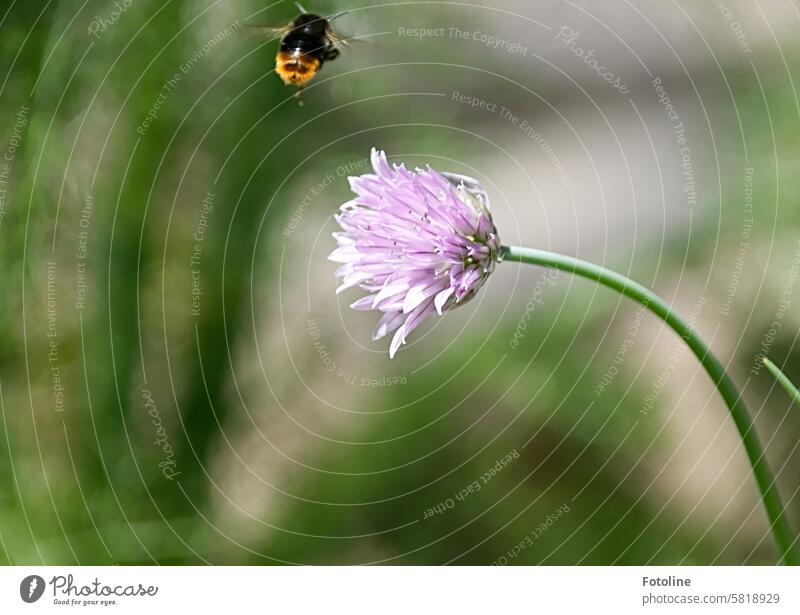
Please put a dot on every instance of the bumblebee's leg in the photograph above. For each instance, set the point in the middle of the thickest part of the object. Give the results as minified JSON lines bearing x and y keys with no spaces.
{"x":298,"y":94}
{"x":331,"y":53}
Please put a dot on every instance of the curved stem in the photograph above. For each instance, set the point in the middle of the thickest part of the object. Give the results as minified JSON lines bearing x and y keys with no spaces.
{"x":783,"y":379}
{"x":779,"y":523}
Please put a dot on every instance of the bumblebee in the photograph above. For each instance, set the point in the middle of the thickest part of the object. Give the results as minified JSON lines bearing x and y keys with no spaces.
{"x":307,"y":42}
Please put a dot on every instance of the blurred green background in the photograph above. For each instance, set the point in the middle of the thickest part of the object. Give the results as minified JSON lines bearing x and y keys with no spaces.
{"x":181,"y":385}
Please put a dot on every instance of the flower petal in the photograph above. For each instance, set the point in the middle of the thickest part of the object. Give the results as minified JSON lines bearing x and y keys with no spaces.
{"x":441,"y":298}
{"x":388,"y":323}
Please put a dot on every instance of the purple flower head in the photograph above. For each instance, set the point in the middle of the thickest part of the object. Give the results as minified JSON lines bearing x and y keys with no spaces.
{"x":418,"y":242}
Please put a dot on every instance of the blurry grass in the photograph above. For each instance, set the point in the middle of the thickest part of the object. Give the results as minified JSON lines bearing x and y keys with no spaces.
{"x":563,"y":453}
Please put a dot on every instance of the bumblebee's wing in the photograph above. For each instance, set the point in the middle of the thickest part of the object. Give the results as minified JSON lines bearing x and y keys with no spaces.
{"x":342,"y":42}
{"x":276,"y":31}
{"x":334,"y":38}
{"x":338,"y":40}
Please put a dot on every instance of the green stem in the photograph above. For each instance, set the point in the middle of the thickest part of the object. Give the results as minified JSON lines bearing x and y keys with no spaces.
{"x":779,"y":523}
{"x":781,"y":377}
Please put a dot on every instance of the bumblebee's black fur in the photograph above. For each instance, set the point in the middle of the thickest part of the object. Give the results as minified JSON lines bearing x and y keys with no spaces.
{"x":310,"y":35}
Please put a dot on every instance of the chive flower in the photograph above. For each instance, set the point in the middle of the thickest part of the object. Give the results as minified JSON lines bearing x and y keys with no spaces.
{"x":418,"y":242}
